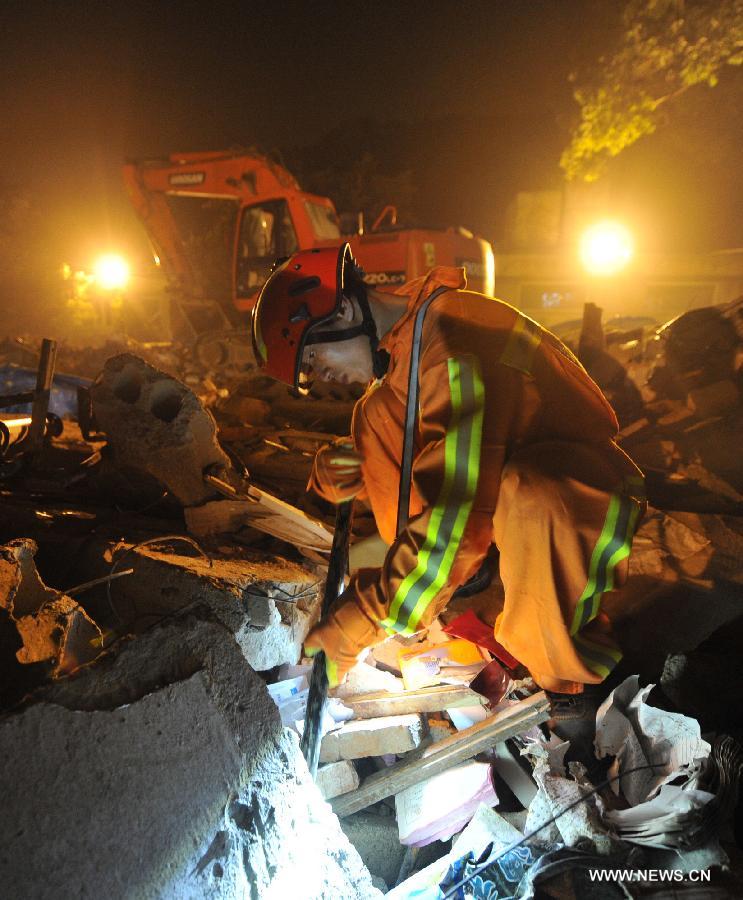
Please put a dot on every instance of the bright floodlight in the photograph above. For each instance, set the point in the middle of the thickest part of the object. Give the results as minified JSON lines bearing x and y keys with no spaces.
{"x":606,"y":248}
{"x":111,"y":272}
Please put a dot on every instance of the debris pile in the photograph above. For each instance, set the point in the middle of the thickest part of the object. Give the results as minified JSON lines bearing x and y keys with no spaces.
{"x":161,"y":564}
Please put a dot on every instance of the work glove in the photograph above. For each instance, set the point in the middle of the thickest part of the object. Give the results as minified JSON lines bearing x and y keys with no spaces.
{"x":336,"y":473}
{"x":339,"y":636}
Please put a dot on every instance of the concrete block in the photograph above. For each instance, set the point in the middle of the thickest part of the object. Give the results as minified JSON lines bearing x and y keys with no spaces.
{"x":163,"y":771}
{"x":372,"y":737}
{"x":60,"y":633}
{"x":268,"y":603}
{"x":22,"y":592}
{"x":337,"y":778}
{"x":52,"y":627}
{"x":156,"y":424}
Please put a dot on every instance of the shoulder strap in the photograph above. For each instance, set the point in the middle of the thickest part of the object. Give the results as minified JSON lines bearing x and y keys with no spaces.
{"x":411,"y":409}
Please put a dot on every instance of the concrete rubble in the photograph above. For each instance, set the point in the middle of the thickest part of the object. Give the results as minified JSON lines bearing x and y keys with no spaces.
{"x":212,"y":798}
{"x":336,"y":778}
{"x":156,"y":424}
{"x":267,"y":602}
{"x":51,"y":628}
{"x":166,"y":755}
{"x":372,"y":737}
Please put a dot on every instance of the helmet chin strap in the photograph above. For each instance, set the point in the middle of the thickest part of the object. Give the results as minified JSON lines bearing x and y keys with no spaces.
{"x":367,"y":326}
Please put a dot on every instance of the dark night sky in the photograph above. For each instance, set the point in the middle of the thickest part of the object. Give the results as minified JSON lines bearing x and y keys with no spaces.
{"x":472,"y":95}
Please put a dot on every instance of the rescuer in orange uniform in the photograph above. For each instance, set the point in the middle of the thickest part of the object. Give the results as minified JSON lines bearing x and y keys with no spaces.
{"x":514,"y":447}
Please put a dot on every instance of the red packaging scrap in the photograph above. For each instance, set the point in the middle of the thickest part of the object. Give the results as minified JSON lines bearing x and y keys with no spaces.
{"x":492,"y":682}
{"x":471,"y":628}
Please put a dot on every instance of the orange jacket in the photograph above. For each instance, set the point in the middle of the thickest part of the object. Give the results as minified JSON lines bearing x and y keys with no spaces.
{"x":491,"y":381}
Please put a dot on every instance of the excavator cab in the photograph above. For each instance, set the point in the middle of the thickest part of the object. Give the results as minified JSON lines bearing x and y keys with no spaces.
{"x":266,"y":232}
{"x":218,"y":221}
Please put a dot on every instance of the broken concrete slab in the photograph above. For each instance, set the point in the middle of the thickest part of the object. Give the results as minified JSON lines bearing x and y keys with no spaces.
{"x":60,"y":633}
{"x":373,"y":737}
{"x":163,"y":771}
{"x":156,"y":424}
{"x":267,"y":602}
{"x":337,"y":778}
{"x":22,"y":592}
{"x":52,"y":627}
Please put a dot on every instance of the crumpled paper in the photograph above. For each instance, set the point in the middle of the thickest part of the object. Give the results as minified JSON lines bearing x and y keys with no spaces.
{"x":661,"y":814}
{"x":638,"y":734}
{"x":556,"y":792}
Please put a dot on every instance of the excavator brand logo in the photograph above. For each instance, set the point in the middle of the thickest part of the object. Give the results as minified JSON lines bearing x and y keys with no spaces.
{"x":185,"y":178}
{"x":474,"y":268}
{"x":375,"y":278}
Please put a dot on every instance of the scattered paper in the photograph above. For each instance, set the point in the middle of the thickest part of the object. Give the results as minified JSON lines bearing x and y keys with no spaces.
{"x":669,"y":820}
{"x":290,"y":696}
{"x":638,"y":734}
{"x":453,"y":662}
{"x":662,"y":815}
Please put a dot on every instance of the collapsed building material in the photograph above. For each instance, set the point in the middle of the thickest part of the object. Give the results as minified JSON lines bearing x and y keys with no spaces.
{"x":685,"y":583}
{"x":156,"y":424}
{"x":688,"y":547}
{"x":267,"y":602}
{"x":424,"y":700}
{"x":364,"y":679}
{"x":52,"y":627}
{"x":372,"y":737}
{"x":264,"y":512}
{"x":93,"y":794}
{"x":447,"y":753}
{"x":336,"y":778}
{"x":377,"y":840}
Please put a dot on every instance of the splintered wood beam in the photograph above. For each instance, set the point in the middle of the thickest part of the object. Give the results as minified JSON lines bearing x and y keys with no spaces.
{"x":445,"y":754}
{"x":425,"y":700}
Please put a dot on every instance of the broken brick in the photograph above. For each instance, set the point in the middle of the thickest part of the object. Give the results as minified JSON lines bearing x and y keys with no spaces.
{"x":372,"y":737}
{"x":337,"y":778}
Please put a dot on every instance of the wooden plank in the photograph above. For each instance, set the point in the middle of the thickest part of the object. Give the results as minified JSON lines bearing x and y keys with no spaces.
{"x":445,"y":754}
{"x":425,"y":700}
{"x":260,"y":510}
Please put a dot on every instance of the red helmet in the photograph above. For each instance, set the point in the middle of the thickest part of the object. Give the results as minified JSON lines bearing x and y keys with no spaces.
{"x":303,"y":292}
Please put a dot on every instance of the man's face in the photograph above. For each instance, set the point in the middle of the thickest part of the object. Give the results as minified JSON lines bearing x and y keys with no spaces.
{"x":344,"y":362}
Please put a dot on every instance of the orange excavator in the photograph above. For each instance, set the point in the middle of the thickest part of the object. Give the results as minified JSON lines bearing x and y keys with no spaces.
{"x":218,"y":221}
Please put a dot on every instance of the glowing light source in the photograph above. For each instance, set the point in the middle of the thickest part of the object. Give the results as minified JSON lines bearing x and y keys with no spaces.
{"x":606,"y":248}
{"x":111,"y":272}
